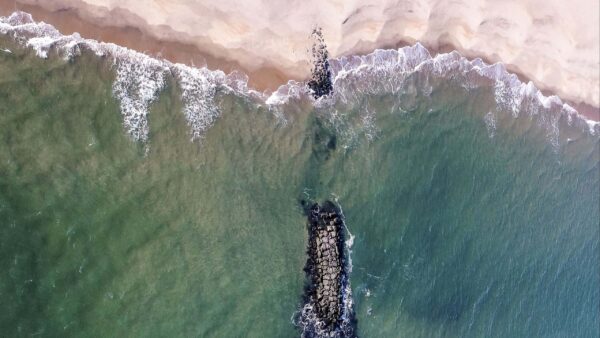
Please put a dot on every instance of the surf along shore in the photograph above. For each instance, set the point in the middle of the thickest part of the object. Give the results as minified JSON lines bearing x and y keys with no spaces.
{"x":130,"y":30}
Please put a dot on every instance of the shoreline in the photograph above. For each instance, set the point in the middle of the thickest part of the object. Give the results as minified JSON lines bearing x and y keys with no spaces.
{"x":68,"y":21}
{"x":265,"y":78}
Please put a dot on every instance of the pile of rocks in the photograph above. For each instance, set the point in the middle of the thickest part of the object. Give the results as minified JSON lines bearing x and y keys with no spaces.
{"x":326,"y":253}
{"x":327,"y":309}
{"x":320,"y":82}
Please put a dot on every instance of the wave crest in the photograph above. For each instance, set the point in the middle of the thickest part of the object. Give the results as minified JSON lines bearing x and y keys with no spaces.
{"x":140,"y":78}
{"x":388,"y":72}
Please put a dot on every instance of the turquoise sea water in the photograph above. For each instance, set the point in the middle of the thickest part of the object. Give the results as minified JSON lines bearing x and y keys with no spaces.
{"x":467,"y":222}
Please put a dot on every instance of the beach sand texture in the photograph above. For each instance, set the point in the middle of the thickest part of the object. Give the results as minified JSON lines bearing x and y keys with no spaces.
{"x":553,"y":43}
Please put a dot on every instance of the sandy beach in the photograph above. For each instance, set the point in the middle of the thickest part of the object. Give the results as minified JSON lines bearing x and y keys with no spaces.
{"x":552,"y":43}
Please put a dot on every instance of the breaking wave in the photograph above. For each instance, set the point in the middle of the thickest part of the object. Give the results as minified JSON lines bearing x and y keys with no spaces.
{"x":140,"y":78}
{"x":392,"y":72}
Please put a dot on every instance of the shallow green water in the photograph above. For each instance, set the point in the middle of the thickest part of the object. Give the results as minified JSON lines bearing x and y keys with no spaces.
{"x":457,"y":233}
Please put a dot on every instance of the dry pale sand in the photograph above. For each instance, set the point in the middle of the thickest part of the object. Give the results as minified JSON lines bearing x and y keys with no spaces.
{"x":554,"y":43}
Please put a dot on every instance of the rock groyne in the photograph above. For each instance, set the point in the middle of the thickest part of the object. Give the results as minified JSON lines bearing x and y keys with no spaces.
{"x":328,"y":304}
{"x":320,"y":83}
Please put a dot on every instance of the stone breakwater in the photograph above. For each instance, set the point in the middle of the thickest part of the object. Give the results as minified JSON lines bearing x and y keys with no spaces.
{"x":320,"y":83}
{"x":327,"y":293}
{"x":326,"y":250}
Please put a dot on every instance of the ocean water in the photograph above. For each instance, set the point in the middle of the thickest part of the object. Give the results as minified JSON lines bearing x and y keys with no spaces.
{"x":145,"y":199}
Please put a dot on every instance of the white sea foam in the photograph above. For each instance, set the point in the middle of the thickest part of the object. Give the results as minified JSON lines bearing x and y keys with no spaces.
{"x":140,"y":78}
{"x":387,"y":71}
{"x":291,"y":90}
{"x":490,"y":123}
{"x":199,"y":88}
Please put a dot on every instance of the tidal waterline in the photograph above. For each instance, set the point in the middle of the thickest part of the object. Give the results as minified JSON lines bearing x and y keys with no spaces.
{"x":460,"y":228}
